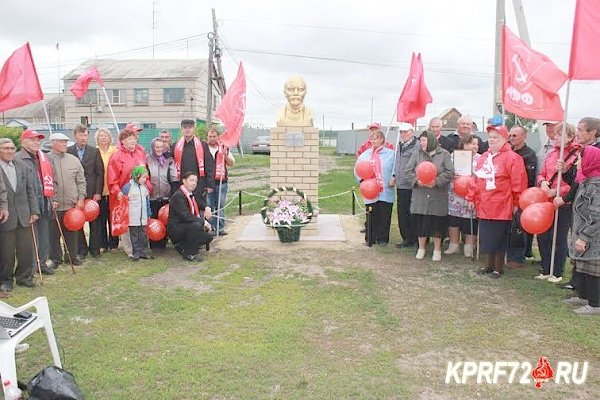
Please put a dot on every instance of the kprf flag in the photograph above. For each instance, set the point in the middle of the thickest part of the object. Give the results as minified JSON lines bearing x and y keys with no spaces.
{"x":19,"y":84}
{"x":585,"y":44}
{"x":83,"y":82}
{"x":232,"y":109}
{"x":415,"y":96}
{"x":530,"y":80}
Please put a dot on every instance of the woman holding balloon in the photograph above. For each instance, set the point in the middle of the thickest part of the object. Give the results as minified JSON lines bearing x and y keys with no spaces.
{"x":500,"y":177}
{"x":374,"y":170}
{"x":547,"y":181}
{"x":429,"y":171}
{"x":460,"y":218}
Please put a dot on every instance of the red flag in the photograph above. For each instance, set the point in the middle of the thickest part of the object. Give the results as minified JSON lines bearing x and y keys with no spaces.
{"x":586,"y":41}
{"x":232,"y":109}
{"x":415,"y":96}
{"x":530,"y":80}
{"x":81,"y":84}
{"x":19,"y":84}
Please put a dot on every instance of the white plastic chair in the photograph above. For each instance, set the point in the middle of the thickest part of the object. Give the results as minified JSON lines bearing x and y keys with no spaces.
{"x":8,"y":366}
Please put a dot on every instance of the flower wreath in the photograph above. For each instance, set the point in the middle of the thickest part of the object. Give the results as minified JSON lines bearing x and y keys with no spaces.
{"x":286,"y":213}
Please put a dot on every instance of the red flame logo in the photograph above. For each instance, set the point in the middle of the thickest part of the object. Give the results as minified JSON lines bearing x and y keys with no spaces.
{"x":543,"y":372}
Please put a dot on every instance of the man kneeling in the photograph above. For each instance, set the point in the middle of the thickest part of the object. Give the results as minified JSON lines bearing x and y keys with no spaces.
{"x":188,"y":220}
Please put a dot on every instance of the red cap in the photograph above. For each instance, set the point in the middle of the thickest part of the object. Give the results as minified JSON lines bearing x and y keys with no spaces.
{"x":374,"y":125}
{"x":133,"y":128}
{"x":31,"y":134}
{"x":501,"y":129}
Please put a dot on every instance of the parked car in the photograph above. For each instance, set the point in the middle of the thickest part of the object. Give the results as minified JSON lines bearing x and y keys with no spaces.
{"x":261,"y":145}
{"x":45,"y":147}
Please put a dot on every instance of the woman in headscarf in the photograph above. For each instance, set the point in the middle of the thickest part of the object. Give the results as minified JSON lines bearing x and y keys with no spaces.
{"x":429,"y":202}
{"x":500,"y":177}
{"x":382,"y":159}
{"x":163,"y":174}
{"x":584,"y":246}
{"x":547,"y":181}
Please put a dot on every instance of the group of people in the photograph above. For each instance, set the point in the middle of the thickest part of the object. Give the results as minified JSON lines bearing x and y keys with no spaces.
{"x":38,"y":189}
{"x":488,"y":208}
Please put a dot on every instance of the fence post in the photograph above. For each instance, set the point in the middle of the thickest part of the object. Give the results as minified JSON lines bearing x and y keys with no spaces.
{"x":353,"y":202}
{"x":240,"y":201}
{"x":369,"y":226}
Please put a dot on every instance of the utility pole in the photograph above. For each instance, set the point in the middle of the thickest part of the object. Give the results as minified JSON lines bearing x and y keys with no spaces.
{"x":209,"y":73}
{"x":215,"y":71}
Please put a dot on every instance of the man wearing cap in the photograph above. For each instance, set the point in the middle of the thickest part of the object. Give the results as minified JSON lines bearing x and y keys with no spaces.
{"x":549,"y":146}
{"x":373,"y":127}
{"x":43,"y":177}
{"x":407,"y":145}
{"x":93,"y":168}
{"x":15,"y":234}
{"x":193,"y":154}
{"x":69,"y":180}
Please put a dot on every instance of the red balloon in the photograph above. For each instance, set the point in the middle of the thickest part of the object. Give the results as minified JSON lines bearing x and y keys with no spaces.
{"x":74,"y":219}
{"x":91,"y":209}
{"x":163,"y":214}
{"x":155,"y":229}
{"x":426,"y":172}
{"x":364,"y":170}
{"x":531,"y":196}
{"x":369,"y":189}
{"x":461,"y":185}
{"x":537,"y":218}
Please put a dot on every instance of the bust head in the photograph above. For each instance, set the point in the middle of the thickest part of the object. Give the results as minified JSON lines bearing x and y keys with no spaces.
{"x":295,"y":90}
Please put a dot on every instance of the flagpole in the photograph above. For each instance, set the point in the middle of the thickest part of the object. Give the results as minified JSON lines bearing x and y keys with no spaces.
{"x":563,"y":135}
{"x":47,"y":116}
{"x":111,"y":109}
{"x":219,"y":206}
{"x":390,"y":124}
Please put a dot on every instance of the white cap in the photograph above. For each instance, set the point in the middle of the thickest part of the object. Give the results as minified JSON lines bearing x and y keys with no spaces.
{"x":405,"y":126}
{"x":58,"y":136}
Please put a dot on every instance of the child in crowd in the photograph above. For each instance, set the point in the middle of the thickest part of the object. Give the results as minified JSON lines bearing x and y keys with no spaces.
{"x":139,"y":210}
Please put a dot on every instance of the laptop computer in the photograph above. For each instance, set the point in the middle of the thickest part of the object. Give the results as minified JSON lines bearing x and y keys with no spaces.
{"x":10,"y":326}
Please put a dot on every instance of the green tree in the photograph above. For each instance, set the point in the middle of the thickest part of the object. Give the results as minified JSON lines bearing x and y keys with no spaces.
{"x":14,"y":133}
{"x":513,"y":120}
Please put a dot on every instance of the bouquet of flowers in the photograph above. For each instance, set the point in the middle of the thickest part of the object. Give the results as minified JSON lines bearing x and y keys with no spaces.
{"x":284,"y":214}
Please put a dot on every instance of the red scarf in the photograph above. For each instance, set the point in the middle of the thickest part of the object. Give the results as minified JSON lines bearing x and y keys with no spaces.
{"x":376,"y":161}
{"x":46,"y":174}
{"x":220,"y":171}
{"x":178,"y":152}
{"x":194,"y":209}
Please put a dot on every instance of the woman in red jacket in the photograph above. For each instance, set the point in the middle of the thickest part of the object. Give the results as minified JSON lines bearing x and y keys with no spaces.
{"x":499,"y":179}
{"x":547,"y":181}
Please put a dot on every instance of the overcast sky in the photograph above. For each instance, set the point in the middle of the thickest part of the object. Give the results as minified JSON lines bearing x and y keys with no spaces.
{"x":351,"y":53}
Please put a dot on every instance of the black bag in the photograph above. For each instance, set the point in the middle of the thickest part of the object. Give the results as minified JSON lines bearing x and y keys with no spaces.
{"x":53,"y":383}
{"x":516,"y":239}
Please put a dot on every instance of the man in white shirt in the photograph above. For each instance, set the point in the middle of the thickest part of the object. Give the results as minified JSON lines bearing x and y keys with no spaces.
{"x":221,"y":158}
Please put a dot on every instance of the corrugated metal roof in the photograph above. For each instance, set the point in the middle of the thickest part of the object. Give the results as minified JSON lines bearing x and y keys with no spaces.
{"x":142,"y":69}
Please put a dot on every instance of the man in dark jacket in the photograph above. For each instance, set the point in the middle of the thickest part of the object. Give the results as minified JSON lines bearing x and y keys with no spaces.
{"x":407,"y":145}
{"x":23,"y":210}
{"x":93,"y":168}
{"x":517,"y":138}
{"x":188,"y":217}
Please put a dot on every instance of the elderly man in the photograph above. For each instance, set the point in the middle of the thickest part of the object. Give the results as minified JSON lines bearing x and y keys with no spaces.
{"x":192,"y":154}
{"x":70,"y":192}
{"x":165,"y":136}
{"x":407,"y":145}
{"x":15,"y":234}
{"x":435,"y":126}
{"x":43,"y":177}
{"x":93,"y":168}
{"x":464,"y":127}
{"x":517,"y":137}
{"x":221,"y":158}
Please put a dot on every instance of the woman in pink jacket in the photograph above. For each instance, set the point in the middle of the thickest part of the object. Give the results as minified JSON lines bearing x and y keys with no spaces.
{"x":499,"y":179}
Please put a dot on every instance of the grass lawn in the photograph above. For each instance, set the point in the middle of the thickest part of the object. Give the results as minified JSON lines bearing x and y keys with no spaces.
{"x":357,"y":323}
